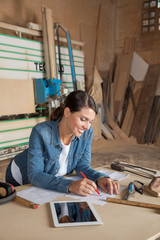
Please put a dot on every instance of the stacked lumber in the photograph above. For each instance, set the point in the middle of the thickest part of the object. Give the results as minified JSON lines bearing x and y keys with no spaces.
{"x":132,"y":98}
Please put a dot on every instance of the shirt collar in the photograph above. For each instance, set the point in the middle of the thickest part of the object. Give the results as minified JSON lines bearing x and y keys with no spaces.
{"x":55,"y":134}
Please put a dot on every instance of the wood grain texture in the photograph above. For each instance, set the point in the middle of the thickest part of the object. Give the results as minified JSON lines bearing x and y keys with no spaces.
{"x":145,"y":103}
{"x":133,"y":203}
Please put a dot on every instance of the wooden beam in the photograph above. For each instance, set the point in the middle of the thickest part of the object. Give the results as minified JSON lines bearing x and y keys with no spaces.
{"x":36,"y":33}
{"x":20,"y":29}
{"x":49,"y":43}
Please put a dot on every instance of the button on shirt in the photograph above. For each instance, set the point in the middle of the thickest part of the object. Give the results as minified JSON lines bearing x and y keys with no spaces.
{"x":63,"y":160}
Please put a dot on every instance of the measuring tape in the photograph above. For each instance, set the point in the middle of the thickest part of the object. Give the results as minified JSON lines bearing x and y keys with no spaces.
{"x":7,"y":192}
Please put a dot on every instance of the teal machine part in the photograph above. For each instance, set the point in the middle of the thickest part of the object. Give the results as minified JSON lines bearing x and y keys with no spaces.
{"x":46,"y":89}
{"x":51,"y":87}
{"x":57,"y":26}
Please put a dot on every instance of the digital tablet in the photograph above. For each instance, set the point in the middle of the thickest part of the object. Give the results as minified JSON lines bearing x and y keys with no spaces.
{"x":74,"y":213}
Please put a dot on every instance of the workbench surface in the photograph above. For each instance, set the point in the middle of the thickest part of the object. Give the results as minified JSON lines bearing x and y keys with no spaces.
{"x":18,"y":222}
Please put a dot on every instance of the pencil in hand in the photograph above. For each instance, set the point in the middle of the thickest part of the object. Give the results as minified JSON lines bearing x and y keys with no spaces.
{"x":86,"y":177}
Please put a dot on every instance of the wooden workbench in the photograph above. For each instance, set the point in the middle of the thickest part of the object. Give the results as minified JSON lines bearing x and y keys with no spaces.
{"x":120,"y":222}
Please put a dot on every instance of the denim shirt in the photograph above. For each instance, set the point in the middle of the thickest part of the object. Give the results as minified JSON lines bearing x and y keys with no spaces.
{"x":43,"y":157}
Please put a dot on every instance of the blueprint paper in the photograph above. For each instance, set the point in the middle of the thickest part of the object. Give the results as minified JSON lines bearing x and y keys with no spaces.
{"x":95,"y":198}
{"x":38,"y":195}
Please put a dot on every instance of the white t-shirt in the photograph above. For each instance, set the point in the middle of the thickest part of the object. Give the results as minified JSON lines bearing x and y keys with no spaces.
{"x":63,"y":160}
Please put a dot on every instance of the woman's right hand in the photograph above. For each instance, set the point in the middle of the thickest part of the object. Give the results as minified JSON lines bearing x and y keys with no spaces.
{"x":83,"y":187}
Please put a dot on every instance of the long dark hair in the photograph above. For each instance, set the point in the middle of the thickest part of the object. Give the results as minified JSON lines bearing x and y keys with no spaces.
{"x":75,"y":101}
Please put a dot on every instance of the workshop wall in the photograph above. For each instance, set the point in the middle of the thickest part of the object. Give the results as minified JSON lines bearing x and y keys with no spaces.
{"x":112,"y":20}
{"x":70,"y":13}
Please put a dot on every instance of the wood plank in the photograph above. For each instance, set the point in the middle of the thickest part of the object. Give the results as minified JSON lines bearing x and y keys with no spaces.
{"x":156,"y":139}
{"x":158,"y":88}
{"x":115,"y":135}
{"x":107,"y":89}
{"x":106,"y":131}
{"x":129,"y":44}
{"x":130,"y":113}
{"x":96,"y":89}
{"x":122,"y":75}
{"x":121,"y":80}
{"x":88,"y":35}
{"x":133,"y":203}
{"x":49,"y":43}
{"x":145,"y":103}
{"x":97,"y":127}
{"x":120,"y":92}
{"x":35,"y":32}
{"x":110,"y":92}
{"x":20,"y":29}
{"x":153,"y":121}
{"x":116,"y":128}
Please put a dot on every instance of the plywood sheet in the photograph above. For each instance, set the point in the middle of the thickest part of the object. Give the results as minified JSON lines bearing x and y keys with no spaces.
{"x":145,"y":103}
{"x":16,"y":97}
{"x":130,"y":113}
{"x":120,"y":91}
{"x":121,"y":79}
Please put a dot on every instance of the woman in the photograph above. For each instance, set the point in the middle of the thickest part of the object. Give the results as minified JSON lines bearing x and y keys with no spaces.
{"x":58,"y":147}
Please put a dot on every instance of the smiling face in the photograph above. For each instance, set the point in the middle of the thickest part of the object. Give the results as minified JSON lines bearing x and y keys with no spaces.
{"x":78,"y":122}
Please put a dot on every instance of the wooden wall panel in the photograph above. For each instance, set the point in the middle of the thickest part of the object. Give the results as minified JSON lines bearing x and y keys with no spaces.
{"x":145,"y":103}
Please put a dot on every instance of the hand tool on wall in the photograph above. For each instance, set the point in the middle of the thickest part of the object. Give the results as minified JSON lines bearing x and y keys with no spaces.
{"x":119,"y":167}
{"x":61,"y":68}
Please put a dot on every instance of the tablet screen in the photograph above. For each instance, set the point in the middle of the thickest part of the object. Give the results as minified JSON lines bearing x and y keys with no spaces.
{"x":74,"y":213}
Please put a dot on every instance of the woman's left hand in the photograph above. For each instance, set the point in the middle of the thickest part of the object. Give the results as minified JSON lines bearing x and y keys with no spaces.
{"x":108,"y":185}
